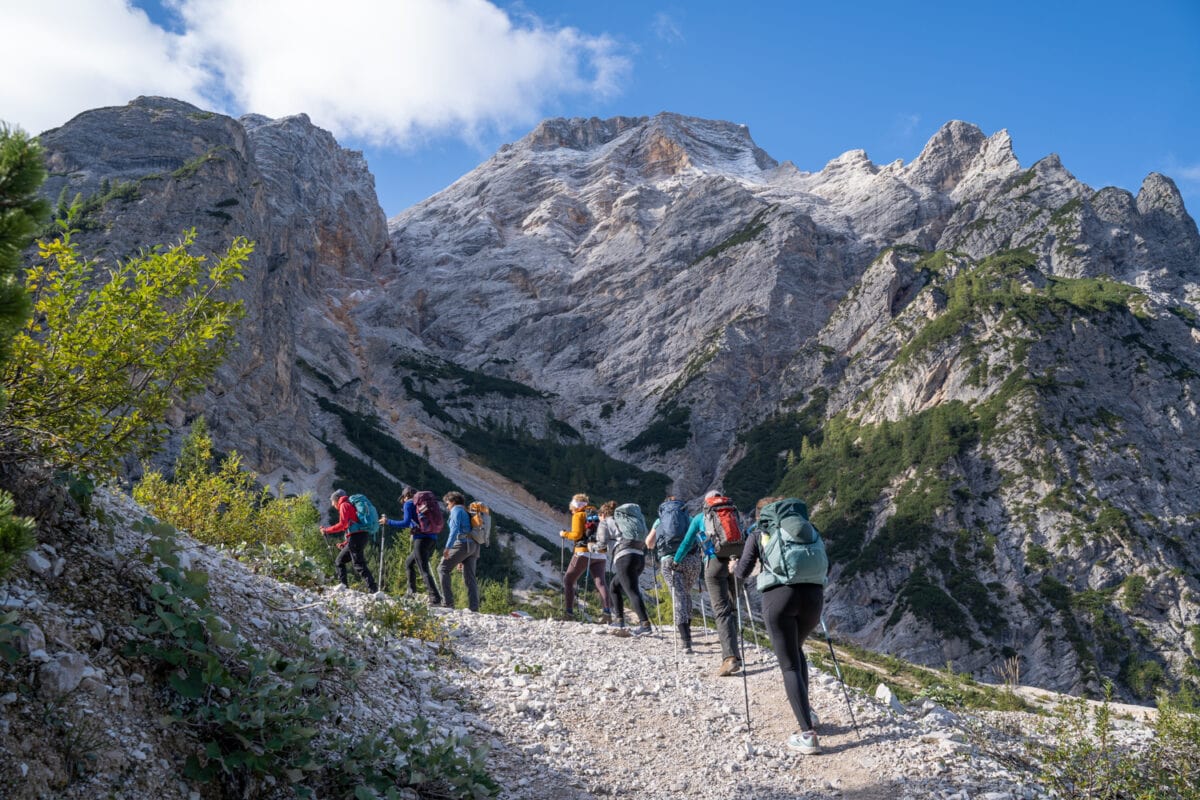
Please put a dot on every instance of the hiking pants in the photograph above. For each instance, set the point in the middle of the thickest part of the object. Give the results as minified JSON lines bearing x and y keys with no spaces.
{"x":353,"y":551}
{"x":791,"y":613}
{"x":626,"y":571}
{"x":681,"y":579}
{"x":722,"y":594}
{"x":467,"y":554}
{"x":418,"y":558}
{"x":580,"y":564}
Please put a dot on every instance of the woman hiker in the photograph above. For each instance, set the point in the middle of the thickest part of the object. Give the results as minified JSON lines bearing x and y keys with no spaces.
{"x":422,"y":547}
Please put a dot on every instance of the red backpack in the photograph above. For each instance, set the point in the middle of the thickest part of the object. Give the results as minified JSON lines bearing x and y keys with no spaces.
{"x":722,"y":527}
{"x":429,"y":512}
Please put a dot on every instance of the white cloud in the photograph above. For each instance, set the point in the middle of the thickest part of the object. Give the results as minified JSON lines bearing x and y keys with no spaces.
{"x":385,"y":72}
{"x":666,"y":29}
{"x":1189,"y":173}
{"x":61,"y":57}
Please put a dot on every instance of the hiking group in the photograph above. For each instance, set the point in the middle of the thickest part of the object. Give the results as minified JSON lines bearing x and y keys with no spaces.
{"x":469,"y":530}
{"x":610,"y":544}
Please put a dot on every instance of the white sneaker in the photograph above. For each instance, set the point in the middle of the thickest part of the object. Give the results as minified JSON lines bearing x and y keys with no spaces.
{"x":805,"y":742}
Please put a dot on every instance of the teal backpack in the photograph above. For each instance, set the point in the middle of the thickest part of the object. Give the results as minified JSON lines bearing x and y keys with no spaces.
{"x":368,"y":517}
{"x":789,"y":546}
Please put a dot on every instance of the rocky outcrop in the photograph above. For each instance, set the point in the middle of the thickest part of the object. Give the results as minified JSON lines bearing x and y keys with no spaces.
{"x":158,"y":167}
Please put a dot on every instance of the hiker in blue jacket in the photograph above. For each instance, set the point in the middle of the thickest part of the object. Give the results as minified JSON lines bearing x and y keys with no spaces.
{"x":461,"y":549}
{"x":422,"y":547}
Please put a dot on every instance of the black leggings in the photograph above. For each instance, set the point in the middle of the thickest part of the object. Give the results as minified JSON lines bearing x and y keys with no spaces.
{"x":422,"y":551}
{"x":353,"y":551}
{"x":624,"y":584}
{"x":791,"y":613}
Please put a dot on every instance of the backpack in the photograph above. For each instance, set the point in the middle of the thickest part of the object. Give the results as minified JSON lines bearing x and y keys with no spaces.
{"x":631,"y":525}
{"x":481,"y":523}
{"x":368,"y":517}
{"x":673,"y":523}
{"x":631,"y":528}
{"x":722,"y":527}
{"x":790,"y":547}
{"x":591,"y":521}
{"x":429,"y":513}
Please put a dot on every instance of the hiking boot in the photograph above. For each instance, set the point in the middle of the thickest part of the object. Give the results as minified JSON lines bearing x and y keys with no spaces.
{"x":730,"y":666}
{"x":641,"y":630}
{"x":805,"y":743}
{"x":619,"y":630}
{"x":565,"y":617}
{"x":685,"y":637}
{"x":605,"y":618}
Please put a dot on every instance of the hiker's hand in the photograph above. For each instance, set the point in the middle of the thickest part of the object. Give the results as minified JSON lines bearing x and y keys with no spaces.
{"x":459,"y":567}
{"x":383,"y":520}
{"x":341,"y":544}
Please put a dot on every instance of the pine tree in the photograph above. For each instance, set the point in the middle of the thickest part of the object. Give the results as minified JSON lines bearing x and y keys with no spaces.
{"x":21,"y":215}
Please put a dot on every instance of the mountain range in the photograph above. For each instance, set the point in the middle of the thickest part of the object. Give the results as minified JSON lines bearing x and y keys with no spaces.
{"x":981,"y":376}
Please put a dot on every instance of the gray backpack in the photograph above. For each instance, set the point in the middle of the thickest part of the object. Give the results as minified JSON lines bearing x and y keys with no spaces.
{"x":631,"y":526}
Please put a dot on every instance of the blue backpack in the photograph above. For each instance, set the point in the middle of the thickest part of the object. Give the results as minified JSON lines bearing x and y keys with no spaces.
{"x":673,"y":521}
{"x":368,"y":517}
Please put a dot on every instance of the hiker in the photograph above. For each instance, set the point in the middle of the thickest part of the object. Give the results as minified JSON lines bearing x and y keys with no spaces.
{"x":792,"y":584}
{"x":628,"y":553}
{"x":422,"y":546}
{"x":351,"y":547}
{"x":679,"y":561}
{"x":584,"y":521}
{"x":460,"y":549}
{"x":719,"y":531}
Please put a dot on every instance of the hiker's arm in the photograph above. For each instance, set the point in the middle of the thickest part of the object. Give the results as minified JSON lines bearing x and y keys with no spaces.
{"x":409,"y":520}
{"x":689,"y":538}
{"x":652,"y":537}
{"x":346,"y":518}
{"x":578,"y":523}
{"x":748,"y":558}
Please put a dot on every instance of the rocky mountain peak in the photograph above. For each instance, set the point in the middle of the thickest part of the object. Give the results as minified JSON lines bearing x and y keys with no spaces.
{"x":578,"y":133}
{"x":947,"y":156}
{"x":1159,"y":193}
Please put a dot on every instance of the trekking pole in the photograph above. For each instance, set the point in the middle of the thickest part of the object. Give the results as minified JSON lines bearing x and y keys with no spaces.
{"x":657,"y":594}
{"x":838,"y":670}
{"x":382,"y":544}
{"x":742,"y":655}
{"x":704,"y":615}
{"x":587,"y":579}
{"x":749,"y":614}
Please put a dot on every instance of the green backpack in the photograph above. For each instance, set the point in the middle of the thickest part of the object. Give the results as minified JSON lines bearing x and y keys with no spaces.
{"x":790,"y":546}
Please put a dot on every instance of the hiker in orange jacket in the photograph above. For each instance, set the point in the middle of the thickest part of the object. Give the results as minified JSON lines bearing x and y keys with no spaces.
{"x":588,"y":556}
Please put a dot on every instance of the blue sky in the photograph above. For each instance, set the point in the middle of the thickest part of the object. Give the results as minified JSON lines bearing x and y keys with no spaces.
{"x":430,"y":88}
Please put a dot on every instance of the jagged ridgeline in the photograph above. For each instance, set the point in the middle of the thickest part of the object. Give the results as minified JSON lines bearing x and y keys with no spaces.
{"x":981,"y":376}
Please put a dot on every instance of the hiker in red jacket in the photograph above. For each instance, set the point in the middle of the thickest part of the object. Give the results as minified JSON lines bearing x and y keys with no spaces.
{"x":351,"y":547}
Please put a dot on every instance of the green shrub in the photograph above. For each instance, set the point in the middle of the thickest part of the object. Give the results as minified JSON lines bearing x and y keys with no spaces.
{"x":412,"y":755}
{"x":1133,"y":590}
{"x":226,"y":506}
{"x":16,"y":535}
{"x":1081,"y":759}
{"x":495,"y":598}
{"x":407,"y":618}
{"x":252,"y":712}
{"x":108,"y":351}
